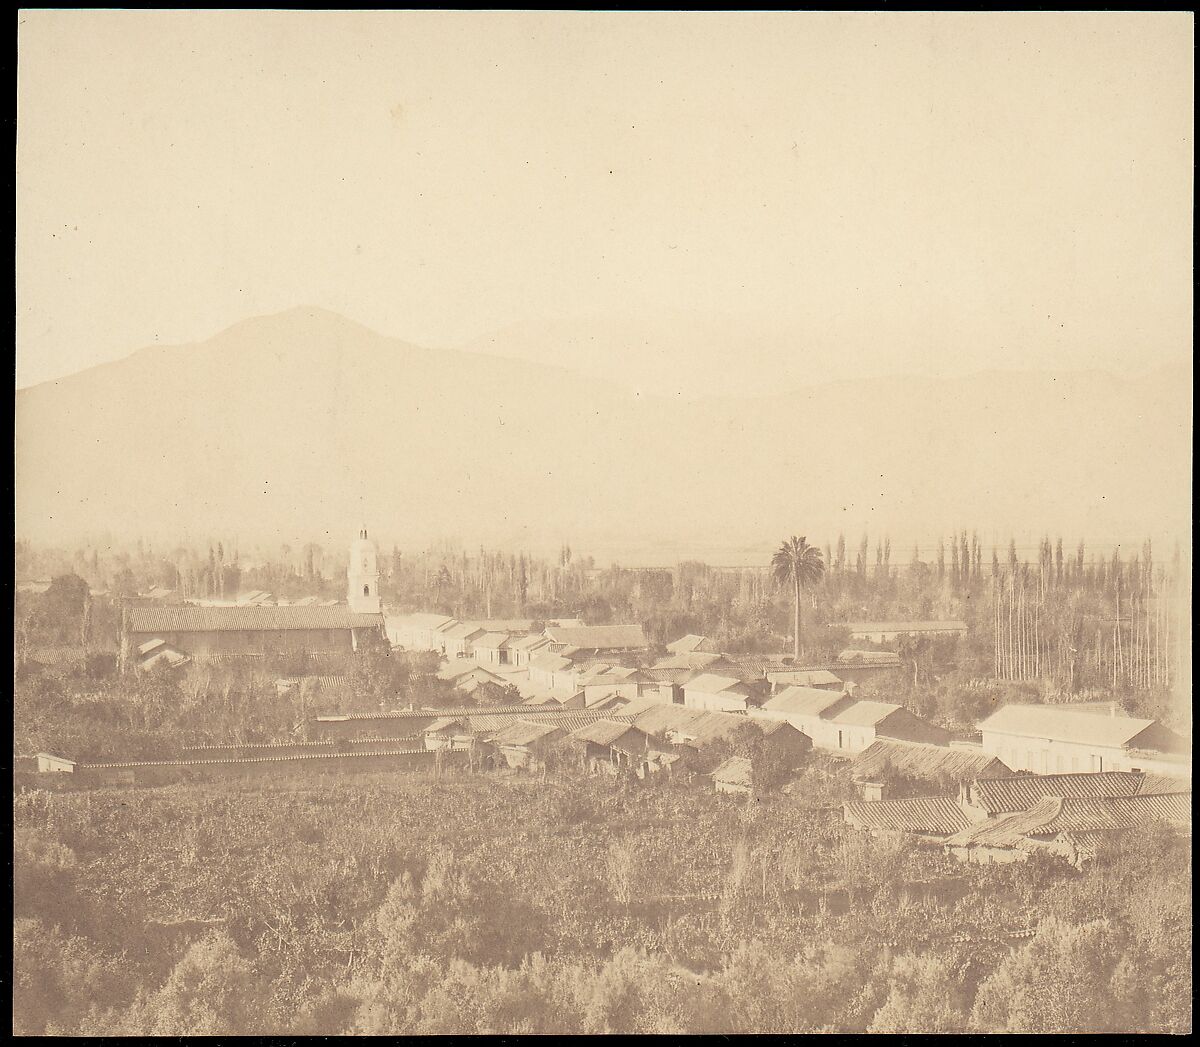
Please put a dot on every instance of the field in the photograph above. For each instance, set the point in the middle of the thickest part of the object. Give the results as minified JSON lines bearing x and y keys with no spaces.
{"x":399,"y":904}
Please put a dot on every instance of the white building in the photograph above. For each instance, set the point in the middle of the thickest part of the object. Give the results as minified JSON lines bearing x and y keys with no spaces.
{"x":1056,"y":739}
{"x":362,"y":577}
{"x":713,"y":693}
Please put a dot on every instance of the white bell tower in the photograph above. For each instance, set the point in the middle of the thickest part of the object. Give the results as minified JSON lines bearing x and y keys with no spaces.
{"x":362,"y":577}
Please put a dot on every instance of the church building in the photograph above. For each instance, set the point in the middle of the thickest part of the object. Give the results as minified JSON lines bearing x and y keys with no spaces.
{"x":253,"y":632}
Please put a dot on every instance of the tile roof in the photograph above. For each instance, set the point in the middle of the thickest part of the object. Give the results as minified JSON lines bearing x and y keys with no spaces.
{"x":443,"y":722}
{"x":525,"y":732}
{"x":604,"y":732}
{"x":711,"y":683}
{"x":417,"y":714}
{"x":916,"y":760}
{"x":567,"y":719}
{"x":736,"y":770}
{"x":1051,"y":722}
{"x":657,"y":717}
{"x":464,"y":631}
{"x":685,"y":644}
{"x":188,"y":619}
{"x":905,"y":627}
{"x":1055,"y":814}
{"x":852,"y":657}
{"x":1161,"y":783}
{"x":936,"y":815}
{"x":804,"y":701}
{"x":491,"y":642}
{"x":1021,"y":792}
{"x":690,"y":660}
{"x":711,"y":727}
{"x":804,"y":677}
{"x":598,"y":637}
{"x":671,"y":676}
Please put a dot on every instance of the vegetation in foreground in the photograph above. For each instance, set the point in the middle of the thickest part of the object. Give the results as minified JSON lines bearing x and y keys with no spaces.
{"x":393,"y":904}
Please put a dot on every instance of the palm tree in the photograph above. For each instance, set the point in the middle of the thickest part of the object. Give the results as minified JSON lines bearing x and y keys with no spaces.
{"x":800,"y":564}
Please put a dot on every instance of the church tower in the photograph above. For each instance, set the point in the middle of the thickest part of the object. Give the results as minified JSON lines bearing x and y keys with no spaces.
{"x":363,"y":576}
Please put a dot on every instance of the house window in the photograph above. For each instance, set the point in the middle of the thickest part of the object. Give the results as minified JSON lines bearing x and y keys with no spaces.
{"x":839,"y":739}
{"x":1074,"y":763}
{"x":366,"y":590}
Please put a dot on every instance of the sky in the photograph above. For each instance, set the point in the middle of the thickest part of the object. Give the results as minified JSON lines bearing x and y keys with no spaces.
{"x":880,"y":193}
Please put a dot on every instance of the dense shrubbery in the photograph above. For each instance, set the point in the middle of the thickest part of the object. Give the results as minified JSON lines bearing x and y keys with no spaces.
{"x":404,"y":905}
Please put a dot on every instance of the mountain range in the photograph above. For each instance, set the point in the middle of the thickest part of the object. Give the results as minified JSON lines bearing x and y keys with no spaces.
{"x":302,"y":425}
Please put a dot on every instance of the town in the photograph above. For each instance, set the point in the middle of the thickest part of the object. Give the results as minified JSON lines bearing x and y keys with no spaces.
{"x":529,"y":695}
{"x":602,"y":523}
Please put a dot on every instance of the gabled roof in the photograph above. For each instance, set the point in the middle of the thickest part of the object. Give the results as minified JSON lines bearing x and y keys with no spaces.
{"x":188,"y":619}
{"x":862,"y":714}
{"x":464,"y":631}
{"x":935,"y":815}
{"x":1055,"y":814}
{"x":736,"y":770}
{"x":491,"y":642}
{"x":686,"y":644}
{"x":711,"y":683}
{"x":1020,"y":793}
{"x":528,"y":643}
{"x":604,"y":732}
{"x":916,"y":760}
{"x":657,"y":717}
{"x":711,"y":727}
{"x":598,"y":637}
{"x":550,"y":663}
{"x":525,"y":732}
{"x":804,"y":701}
{"x":461,"y":667}
{"x":1051,"y":722}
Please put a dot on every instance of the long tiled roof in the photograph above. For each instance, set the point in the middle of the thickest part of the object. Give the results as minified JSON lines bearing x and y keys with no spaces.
{"x":567,"y":719}
{"x":246,"y":619}
{"x":525,"y":732}
{"x":1055,"y":814}
{"x":1020,"y":793}
{"x":804,"y":677}
{"x":916,"y":760}
{"x":691,"y":660}
{"x":1049,"y":721}
{"x":938,"y":815}
{"x":1162,"y":783}
{"x":903,"y":627}
{"x":415,"y":714}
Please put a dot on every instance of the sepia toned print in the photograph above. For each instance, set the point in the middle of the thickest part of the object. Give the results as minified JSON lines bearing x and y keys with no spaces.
{"x":585,"y":523}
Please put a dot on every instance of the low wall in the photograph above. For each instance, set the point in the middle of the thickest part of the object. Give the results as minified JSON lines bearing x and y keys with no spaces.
{"x":167,"y":772}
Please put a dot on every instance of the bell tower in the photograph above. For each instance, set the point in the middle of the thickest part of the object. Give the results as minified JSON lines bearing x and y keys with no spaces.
{"x":362,"y":576}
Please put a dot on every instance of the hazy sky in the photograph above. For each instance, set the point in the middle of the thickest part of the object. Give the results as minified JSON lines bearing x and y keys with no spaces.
{"x":884,"y":192}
